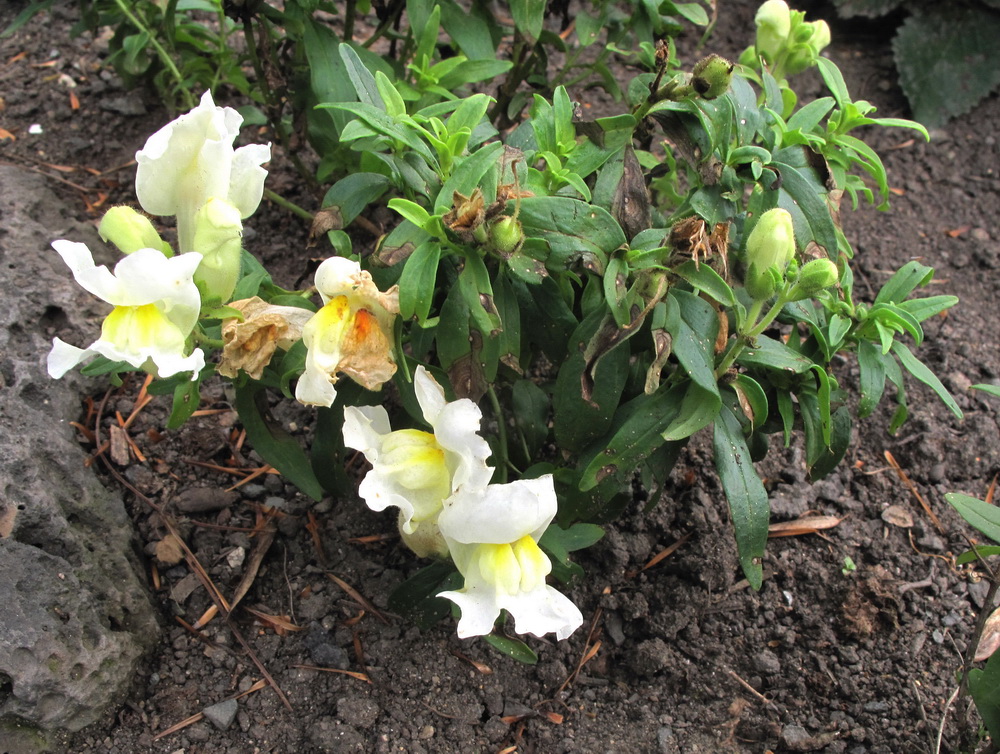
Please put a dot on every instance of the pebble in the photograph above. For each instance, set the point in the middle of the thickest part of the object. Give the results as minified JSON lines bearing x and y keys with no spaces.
{"x":221,"y":715}
{"x":767,"y":663}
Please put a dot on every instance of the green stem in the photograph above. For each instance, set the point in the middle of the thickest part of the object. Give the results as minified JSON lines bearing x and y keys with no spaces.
{"x":164,"y":56}
{"x":502,"y":431}
{"x":203,"y":340}
{"x":292,"y":207}
{"x":750,"y":330}
{"x":349,"y":13}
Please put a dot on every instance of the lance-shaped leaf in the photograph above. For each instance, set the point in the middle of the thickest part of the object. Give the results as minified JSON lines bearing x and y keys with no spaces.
{"x":574,"y":230}
{"x":748,"y":505}
{"x":692,"y":324}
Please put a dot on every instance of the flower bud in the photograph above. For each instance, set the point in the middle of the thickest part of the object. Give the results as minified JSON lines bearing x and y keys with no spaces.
{"x":711,"y":76}
{"x":506,"y":235}
{"x":815,"y":276}
{"x":769,"y":248}
{"x":130,"y":231}
{"x":218,"y":233}
{"x":810,"y":39}
{"x":774,"y":22}
{"x":772,"y":241}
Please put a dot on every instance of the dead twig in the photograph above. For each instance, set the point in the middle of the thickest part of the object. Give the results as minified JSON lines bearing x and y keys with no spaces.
{"x":916,"y":493}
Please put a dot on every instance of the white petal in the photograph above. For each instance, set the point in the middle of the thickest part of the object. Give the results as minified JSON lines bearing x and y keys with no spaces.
{"x":542,"y":611}
{"x":430,"y":395}
{"x":456,"y":427}
{"x":93,"y":279}
{"x":479,"y":610}
{"x":501,"y":513}
{"x":336,"y":276}
{"x":364,"y":428}
{"x":246,"y":182}
{"x":146,"y":277}
{"x":314,"y":387}
{"x":64,"y":357}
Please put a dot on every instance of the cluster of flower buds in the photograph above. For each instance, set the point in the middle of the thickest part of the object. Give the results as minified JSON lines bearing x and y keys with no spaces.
{"x":770,"y":262}
{"x":785,"y":41}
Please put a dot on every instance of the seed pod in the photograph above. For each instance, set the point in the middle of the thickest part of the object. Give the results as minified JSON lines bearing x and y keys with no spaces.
{"x":711,"y":76}
{"x":506,"y":235}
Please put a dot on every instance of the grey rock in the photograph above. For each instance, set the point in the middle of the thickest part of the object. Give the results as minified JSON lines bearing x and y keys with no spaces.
{"x":221,"y":715}
{"x":77,"y":618}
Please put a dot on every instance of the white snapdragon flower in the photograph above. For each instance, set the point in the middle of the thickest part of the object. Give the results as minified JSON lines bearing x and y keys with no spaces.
{"x":417,"y":471}
{"x":351,"y":333}
{"x":156,"y":306}
{"x":492,"y":536}
{"x":192,"y":160}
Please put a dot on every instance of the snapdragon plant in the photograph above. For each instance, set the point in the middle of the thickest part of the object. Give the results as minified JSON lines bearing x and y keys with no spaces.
{"x":560,"y":307}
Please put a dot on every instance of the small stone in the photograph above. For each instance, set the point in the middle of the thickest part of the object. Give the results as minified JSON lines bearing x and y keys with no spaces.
{"x":426,"y":733}
{"x":766,"y":662}
{"x":204,"y":499}
{"x":794,"y":736}
{"x":221,"y":715}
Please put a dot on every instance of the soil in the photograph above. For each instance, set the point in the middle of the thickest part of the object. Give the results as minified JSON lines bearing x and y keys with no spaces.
{"x":679,"y":657}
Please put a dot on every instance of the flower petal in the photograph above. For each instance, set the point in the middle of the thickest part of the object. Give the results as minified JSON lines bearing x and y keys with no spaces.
{"x":364,"y":428}
{"x":500,"y":513}
{"x":246,"y":182}
{"x":96,"y":280}
{"x":64,"y":357}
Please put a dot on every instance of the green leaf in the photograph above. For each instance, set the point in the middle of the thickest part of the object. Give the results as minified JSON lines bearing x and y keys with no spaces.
{"x":472,"y":71}
{"x":349,"y":196}
{"x":273,"y":443}
{"x":924,"y":308}
{"x":417,"y":281}
{"x":973,"y":556}
{"x":692,"y":324}
{"x":467,"y":175}
{"x":513,"y":648}
{"x":365,"y":84}
{"x":948,"y":60}
{"x":834,"y":80}
{"x":748,"y":505}
{"x":638,"y":432}
{"x":707,"y":280}
{"x":394,"y":104}
{"x":871,"y":361}
{"x":773,"y":354}
{"x":411,"y":211}
{"x":187,"y":397}
{"x":753,"y":401}
{"x":530,"y":405}
{"x":993,"y":390}
{"x":574,"y":230}
{"x":984,"y":685}
{"x":560,"y":542}
{"x":809,"y":201}
{"x":981,"y":515}
{"x":910,"y":276}
{"x":919,"y":370}
{"x":326,"y":453}
{"x":416,"y":598}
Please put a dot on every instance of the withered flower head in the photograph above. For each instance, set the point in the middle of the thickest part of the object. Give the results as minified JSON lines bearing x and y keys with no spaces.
{"x":250,"y":344}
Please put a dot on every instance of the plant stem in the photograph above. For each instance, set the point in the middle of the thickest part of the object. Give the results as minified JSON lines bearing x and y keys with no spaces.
{"x":750,"y":330}
{"x":164,"y":56}
{"x":502,"y":431}
{"x":292,"y":207}
{"x":203,"y":340}
{"x":349,"y":13}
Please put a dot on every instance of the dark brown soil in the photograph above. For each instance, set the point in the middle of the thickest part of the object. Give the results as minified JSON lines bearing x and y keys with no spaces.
{"x":823,"y":658}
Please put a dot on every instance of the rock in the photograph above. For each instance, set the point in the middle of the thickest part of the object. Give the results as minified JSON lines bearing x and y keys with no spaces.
{"x":77,"y":618}
{"x":221,"y":715}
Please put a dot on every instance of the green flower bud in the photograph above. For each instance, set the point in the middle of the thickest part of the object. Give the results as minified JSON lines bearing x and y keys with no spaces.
{"x":130,"y":231}
{"x":218,"y":233}
{"x":769,"y":248}
{"x":762,"y":282}
{"x":810,"y":39}
{"x":815,"y":276}
{"x":749,"y":57}
{"x":711,"y":76}
{"x":772,"y":241}
{"x":506,"y":235}
{"x":774,"y":22}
